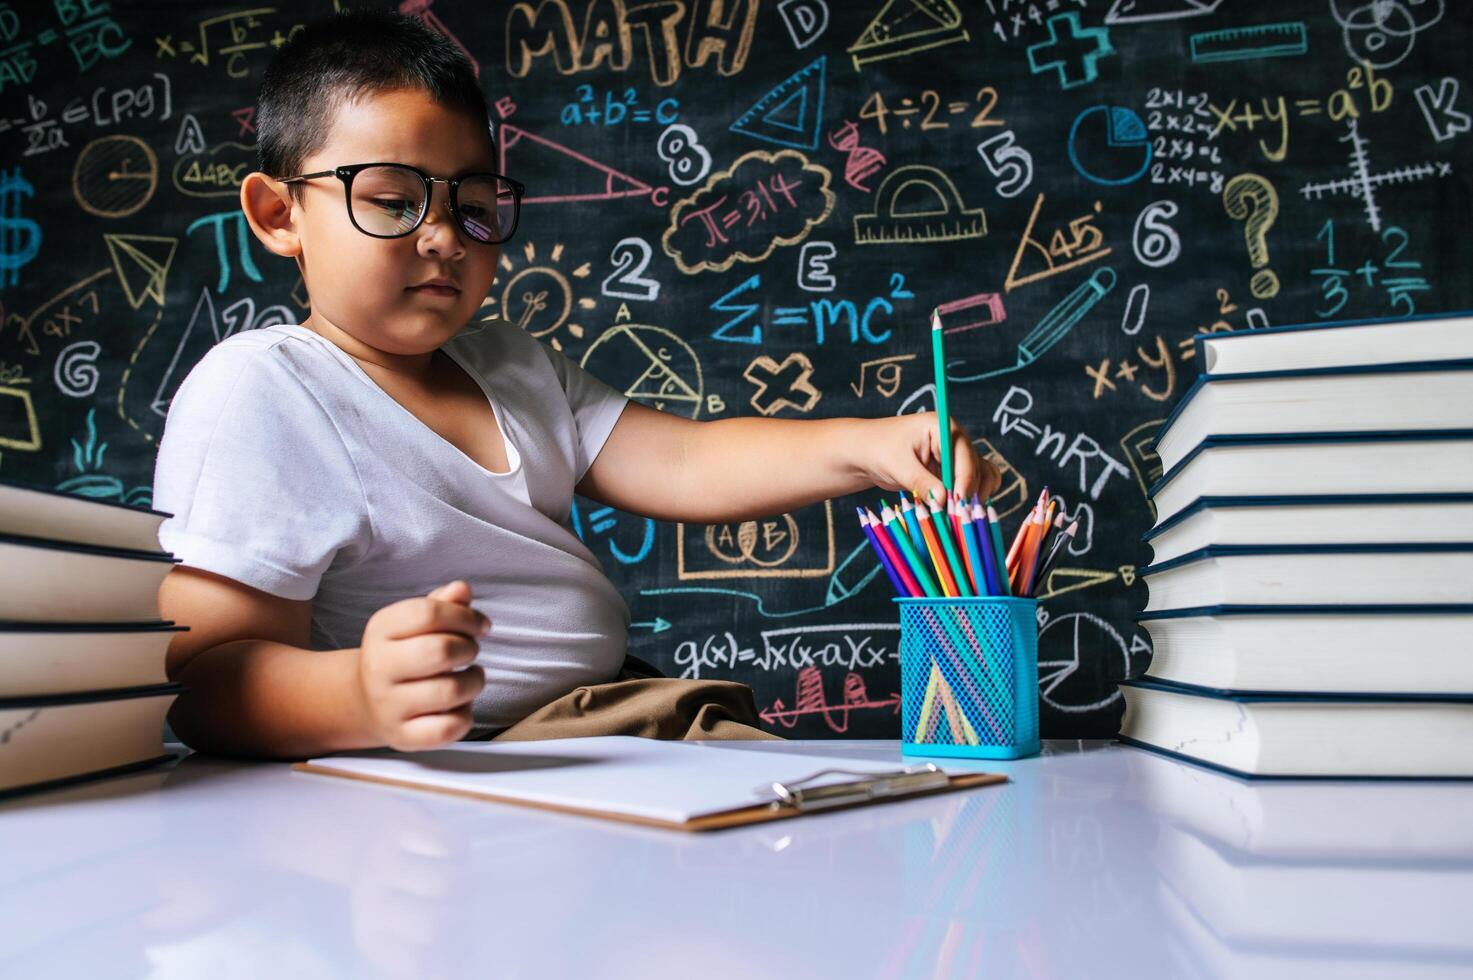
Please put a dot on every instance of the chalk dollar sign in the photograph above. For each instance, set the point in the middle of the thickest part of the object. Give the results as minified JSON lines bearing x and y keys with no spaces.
{"x":20,"y":238}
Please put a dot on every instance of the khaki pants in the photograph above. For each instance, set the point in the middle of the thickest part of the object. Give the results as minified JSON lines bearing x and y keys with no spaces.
{"x":639,"y":701}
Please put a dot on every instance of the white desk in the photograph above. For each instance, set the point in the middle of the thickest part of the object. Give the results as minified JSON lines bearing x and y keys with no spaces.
{"x":1097,"y":860}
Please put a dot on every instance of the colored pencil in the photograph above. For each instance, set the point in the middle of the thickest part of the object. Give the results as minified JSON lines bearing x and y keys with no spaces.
{"x":1056,"y":552}
{"x":957,"y":645}
{"x":943,"y":415}
{"x":896,"y":579}
{"x":917,"y":567}
{"x":948,"y":546}
{"x":1032,"y":533}
{"x":889,"y":535}
{"x":1048,"y":532}
{"x":970,"y":532}
{"x":974,"y":552}
{"x":1033,"y":557}
{"x":1026,"y":530}
{"x":983,"y":534}
{"x":907,"y":511}
{"x":967,"y":545}
{"x":995,"y":526}
{"x":984,"y":544}
{"x":933,"y":544}
{"x":1017,"y":544}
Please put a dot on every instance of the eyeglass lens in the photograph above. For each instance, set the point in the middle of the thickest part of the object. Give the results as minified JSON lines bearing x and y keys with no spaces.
{"x":388,"y":201}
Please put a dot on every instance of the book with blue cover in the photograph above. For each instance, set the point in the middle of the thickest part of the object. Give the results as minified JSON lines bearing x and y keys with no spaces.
{"x":1304,"y":734}
{"x":1328,"y":519}
{"x":1339,"y":343}
{"x":1322,"y":464}
{"x":1311,"y":592}
{"x":1431,"y":395}
{"x":1310,"y":575}
{"x":1339,"y":649}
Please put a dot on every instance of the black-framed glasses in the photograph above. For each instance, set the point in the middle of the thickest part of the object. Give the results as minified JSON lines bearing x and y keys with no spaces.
{"x":390,"y":200}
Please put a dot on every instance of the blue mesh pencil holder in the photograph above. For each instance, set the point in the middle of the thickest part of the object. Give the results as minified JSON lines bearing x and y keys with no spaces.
{"x":969,"y":677}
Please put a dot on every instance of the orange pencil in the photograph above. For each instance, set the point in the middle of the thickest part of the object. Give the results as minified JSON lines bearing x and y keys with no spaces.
{"x":938,"y":559}
{"x":1029,"y":563}
{"x":1029,"y":549}
{"x":1019,"y":538}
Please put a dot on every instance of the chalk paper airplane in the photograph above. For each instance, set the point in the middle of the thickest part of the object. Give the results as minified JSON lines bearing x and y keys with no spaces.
{"x":142,"y":263}
{"x":1144,"y":11}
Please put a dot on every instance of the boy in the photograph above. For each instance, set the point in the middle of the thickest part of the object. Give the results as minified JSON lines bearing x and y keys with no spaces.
{"x":327,"y":478}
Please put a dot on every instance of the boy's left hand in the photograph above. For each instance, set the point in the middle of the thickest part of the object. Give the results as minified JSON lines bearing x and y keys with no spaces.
{"x":903,"y":452}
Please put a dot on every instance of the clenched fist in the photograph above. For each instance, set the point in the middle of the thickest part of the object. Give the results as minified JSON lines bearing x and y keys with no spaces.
{"x":416,"y":668}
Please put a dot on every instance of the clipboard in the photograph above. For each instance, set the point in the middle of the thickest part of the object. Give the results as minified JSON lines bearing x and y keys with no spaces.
{"x":813,"y":791}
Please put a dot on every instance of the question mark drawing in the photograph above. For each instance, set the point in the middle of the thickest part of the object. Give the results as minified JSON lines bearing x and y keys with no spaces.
{"x":1252,"y":199}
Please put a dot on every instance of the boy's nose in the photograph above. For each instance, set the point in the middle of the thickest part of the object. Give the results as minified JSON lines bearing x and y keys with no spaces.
{"x":439,"y":230}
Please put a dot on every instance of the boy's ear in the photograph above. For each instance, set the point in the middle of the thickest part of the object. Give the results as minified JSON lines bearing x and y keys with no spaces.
{"x":268,"y":209}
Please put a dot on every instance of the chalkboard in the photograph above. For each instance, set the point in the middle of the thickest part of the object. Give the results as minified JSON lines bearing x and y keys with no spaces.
{"x":749,"y":207}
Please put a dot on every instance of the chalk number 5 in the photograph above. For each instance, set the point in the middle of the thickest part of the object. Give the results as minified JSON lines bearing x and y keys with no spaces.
{"x":1007,"y":161}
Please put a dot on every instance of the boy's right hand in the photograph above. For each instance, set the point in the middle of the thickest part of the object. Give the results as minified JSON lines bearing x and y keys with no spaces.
{"x":412,"y":668}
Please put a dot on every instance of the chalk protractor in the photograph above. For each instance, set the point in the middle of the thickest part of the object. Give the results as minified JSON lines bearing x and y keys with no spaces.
{"x":918,"y":203}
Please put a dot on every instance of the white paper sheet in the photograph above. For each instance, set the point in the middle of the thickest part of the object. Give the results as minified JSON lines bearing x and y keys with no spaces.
{"x":643,"y":777}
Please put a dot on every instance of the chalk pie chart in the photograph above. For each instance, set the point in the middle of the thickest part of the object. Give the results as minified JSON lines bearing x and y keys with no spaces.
{"x":650,"y":364}
{"x":1108,"y":144}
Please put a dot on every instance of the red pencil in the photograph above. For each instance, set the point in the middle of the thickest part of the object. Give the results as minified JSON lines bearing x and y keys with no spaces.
{"x":902,"y":567}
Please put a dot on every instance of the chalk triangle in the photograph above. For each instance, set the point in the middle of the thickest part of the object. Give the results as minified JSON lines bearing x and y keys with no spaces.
{"x":906,"y":27}
{"x":1062,"y":580}
{"x":577,"y":176}
{"x":791,"y":114}
{"x":1145,"y":11}
{"x":659,"y":385}
{"x":202,"y":333}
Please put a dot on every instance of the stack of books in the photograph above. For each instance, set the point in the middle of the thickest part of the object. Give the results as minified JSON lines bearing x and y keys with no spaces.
{"x":1311,"y":587}
{"x":83,"y":685}
{"x":1240,"y":871}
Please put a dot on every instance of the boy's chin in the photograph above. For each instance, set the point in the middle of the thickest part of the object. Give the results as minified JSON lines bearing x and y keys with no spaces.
{"x":434,"y":329}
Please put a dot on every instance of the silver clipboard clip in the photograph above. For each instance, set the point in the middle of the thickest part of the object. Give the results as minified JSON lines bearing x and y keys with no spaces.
{"x":870,"y":786}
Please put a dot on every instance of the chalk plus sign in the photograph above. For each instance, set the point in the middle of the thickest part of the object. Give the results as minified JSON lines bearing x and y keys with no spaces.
{"x":1078,"y":51}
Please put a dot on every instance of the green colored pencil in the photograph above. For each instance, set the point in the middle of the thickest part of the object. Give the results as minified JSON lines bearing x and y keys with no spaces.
{"x":997,"y":549}
{"x":943,"y":413}
{"x":942,"y":521}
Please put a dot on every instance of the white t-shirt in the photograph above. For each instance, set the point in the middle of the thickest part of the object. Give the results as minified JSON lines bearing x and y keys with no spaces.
{"x":287,"y":468}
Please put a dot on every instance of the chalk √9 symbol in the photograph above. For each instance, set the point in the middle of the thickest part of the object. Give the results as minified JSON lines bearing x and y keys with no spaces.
{"x":1252,"y":200}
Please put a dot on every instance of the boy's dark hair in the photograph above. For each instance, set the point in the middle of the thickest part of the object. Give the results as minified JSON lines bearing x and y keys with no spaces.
{"x":344,"y":57}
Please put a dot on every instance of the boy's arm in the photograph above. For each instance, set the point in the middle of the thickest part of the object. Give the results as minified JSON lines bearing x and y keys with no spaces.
{"x":254,"y":690}
{"x":670,"y":468}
